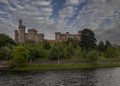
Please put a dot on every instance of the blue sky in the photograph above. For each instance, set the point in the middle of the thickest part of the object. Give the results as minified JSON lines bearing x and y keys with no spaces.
{"x":50,"y":16}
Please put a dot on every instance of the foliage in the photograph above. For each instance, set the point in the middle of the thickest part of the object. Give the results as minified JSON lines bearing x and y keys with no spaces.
{"x":84,"y":54}
{"x":78,"y":51}
{"x":74,"y":42}
{"x":46,"y":44}
{"x":107,"y":44}
{"x":54,"y":53}
{"x":70,"y":48}
{"x":5,"y":53}
{"x":19,"y":56}
{"x":92,"y":55}
{"x":6,"y":40}
{"x":101,"y":46}
{"x":88,"y":40}
{"x":59,"y":52}
{"x":35,"y":51}
{"x":111,"y":52}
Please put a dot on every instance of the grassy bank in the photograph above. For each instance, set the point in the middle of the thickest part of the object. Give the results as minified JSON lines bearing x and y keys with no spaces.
{"x":67,"y":66}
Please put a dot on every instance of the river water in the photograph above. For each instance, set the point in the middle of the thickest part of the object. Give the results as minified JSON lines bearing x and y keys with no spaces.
{"x":84,"y":77}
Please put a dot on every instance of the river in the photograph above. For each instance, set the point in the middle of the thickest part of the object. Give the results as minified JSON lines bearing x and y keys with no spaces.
{"x":83,"y":77}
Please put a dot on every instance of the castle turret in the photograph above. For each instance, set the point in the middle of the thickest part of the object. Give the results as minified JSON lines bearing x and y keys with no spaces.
{"x":67,"y":35}
{"x":57,"y":36}
{"x":21,"y":36}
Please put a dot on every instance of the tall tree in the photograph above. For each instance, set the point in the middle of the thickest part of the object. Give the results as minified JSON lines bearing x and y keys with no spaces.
{"x":101,"y":46}
{"x":107,"y":44}
{"x":88,"y":40}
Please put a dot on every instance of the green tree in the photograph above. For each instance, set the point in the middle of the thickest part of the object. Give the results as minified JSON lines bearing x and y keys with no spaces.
{"x":5,"y":53}
{"x":54,"y":53}
{"x":61,"y":50}
{"x":101,"y":46}
{"x":70,"y":48}
{"x":67,"y":54}
{"x":46,"y":44}
{"x":19,"y":56}
{"x":107,"y":44}
{"x":111,"y":53}
{"x":6,"y":40}
{"x":74,"y":41}
{"x":35,"y":51}
{"x":78,"y":51}
{"x":88,"y":40}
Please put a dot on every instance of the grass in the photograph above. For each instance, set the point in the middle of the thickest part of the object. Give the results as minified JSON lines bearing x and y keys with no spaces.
{"x":67,"y":66}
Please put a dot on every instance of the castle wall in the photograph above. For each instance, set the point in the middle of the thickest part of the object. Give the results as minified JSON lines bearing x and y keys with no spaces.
{"x":40,"y":38}
{"x":62,"y":36}
{"x":21,"y":36}
{"x":31,"y":35}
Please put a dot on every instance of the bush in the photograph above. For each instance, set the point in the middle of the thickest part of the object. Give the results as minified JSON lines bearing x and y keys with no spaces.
{"x":83,"y":54}
{"x":92,"y":55}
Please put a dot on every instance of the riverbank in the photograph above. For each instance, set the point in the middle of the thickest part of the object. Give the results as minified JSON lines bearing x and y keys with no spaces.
{"x":66,"y":66}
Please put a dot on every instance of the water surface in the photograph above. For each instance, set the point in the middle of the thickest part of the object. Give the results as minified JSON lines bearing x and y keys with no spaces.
{"x":84,"y":77}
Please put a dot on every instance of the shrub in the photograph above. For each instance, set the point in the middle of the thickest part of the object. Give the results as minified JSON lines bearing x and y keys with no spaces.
{"x":92,"y":55}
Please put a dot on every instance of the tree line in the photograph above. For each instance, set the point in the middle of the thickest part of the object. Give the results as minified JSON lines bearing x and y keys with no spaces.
{"x":86,"y":48}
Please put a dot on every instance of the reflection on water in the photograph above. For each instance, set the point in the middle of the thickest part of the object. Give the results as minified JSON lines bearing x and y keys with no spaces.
{"x":86,"y":77}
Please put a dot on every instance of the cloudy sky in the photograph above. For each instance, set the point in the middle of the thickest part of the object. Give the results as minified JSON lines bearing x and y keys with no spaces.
{"x":50,"y":16}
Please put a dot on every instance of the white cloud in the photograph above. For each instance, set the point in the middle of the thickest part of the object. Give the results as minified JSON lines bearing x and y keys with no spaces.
{"x":74,"y":2}
{"x":41,"y":3}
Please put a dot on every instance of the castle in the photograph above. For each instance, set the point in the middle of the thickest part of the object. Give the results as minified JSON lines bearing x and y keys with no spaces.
{"x":65,"y":36}
{"x":32,"y":36}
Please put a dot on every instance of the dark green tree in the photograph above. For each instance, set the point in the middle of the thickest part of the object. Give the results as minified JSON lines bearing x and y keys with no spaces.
{"x":46,"y":44}
{"x":5,"y":53}
{"x":107,"y":44}
{"x":5,"y":40}
{"x":88,"y":40}
{"x":101,"y":46}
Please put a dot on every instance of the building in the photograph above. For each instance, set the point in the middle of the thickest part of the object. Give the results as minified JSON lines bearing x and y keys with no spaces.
{"x":31,"y":36}
{"x":65,"y":36}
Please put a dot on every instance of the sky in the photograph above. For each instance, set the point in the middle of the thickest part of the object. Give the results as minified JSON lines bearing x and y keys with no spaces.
{"x":50,"y":16}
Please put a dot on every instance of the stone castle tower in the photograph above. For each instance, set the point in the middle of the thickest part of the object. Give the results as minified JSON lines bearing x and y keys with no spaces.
{"x":32,"y":36}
